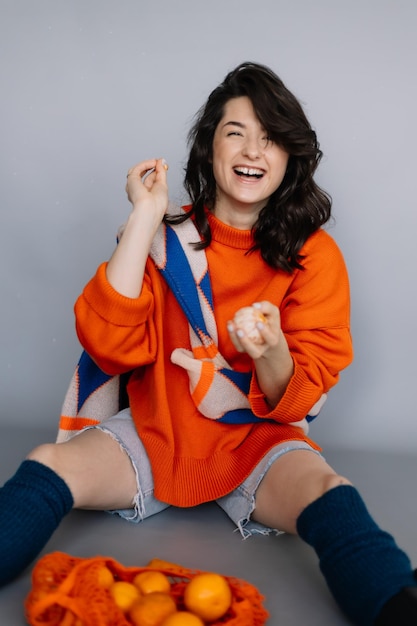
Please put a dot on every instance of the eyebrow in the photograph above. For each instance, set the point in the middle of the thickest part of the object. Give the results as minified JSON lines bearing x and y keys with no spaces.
{"x":232,"y":123}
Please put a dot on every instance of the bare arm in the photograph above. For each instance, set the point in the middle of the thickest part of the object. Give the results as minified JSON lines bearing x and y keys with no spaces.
{"x":149,"y":198}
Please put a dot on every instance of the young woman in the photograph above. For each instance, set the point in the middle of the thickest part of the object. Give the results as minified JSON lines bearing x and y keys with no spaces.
{"x":218,"y":411}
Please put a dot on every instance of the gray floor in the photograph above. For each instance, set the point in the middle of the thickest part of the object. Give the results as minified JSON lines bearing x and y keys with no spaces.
{"x":283,"y":568}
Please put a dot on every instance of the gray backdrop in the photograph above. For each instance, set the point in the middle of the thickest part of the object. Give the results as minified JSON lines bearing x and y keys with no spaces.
{"x":89,"y":87}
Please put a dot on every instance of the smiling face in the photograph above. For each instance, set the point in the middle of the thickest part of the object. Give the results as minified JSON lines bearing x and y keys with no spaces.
{"x":247,"y":166}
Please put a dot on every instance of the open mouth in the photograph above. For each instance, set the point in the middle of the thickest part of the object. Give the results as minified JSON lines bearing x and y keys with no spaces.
{"x":248,"y":172}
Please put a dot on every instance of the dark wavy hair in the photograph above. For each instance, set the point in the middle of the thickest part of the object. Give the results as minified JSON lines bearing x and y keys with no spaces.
{"x":298,"y":207}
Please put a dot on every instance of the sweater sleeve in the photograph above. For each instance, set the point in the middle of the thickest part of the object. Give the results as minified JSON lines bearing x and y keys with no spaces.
{"x":116,"y":331}
{"x":315,"y":321}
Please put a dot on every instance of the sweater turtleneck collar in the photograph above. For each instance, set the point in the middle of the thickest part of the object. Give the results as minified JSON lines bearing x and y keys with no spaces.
{"x":228,"y":235}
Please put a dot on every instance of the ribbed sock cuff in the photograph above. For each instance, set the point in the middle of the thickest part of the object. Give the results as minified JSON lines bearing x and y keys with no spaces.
{"x":361,"y":563}
{"x":329,"y":518}
{"x":32,"y":504}
{"x":45,"y":481}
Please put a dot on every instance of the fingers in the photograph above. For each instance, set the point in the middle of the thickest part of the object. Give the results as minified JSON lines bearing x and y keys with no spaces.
{"x":145,"y":168}
{"x":146,"y":177}
{"x":139,"y":170}
{"x":256,"y":333}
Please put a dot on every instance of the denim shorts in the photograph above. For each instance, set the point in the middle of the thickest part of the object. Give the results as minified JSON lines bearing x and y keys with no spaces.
{"x":238,"y":504}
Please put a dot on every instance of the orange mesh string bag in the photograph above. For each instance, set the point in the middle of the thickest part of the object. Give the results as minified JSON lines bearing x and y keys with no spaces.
{"x":70,"y":591}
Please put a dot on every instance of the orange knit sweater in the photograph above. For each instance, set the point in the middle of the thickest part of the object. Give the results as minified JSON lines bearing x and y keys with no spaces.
{"x":195,"y":459}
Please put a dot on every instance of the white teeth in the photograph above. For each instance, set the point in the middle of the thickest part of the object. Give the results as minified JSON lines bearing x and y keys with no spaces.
{"x":249,"y":171}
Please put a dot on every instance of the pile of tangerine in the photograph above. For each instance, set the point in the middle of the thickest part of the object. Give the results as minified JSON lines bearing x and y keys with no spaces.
{"x":69,"y":591}
{"x":147,"y":600}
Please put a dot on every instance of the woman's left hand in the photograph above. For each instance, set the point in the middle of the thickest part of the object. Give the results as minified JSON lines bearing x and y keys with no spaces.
{"x":270,"y":353}
{"x":268,"y":331}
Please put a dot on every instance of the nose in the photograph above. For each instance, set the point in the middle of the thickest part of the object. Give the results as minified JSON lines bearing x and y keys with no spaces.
{"x":252,"y":148}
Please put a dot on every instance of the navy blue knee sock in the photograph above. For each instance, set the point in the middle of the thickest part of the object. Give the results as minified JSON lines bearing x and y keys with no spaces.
{"x":32,"y":504}
{"x":362,"y":564}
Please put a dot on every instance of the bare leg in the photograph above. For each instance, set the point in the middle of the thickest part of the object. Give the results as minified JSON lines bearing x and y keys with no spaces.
{"x":369,"y":575}
{"x":295,"y":480}
{"x":97,"y":471}
{"x":89,"y":471}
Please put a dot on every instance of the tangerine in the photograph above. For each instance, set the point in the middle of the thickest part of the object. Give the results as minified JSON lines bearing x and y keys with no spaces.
{"x":152,"y":608}
{"x":44,"y":578}
{"x":182,"y":618}
{"x":124,"y":594}
{"x":147,"y":582}
{"x":105,"y":578}
{"x":208,"y":595}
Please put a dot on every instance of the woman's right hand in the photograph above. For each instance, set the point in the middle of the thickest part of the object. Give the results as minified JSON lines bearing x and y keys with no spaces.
{"x":147,"y":187}
{"x":147,"y":190}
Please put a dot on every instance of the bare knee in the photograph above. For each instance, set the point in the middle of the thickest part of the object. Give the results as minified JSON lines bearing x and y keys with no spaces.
{"x":53,"y":455}
{"x":331,"y":480}
{"x":293,"y":482}
{"x":97,"y":471}
{"x":46,"y":453}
